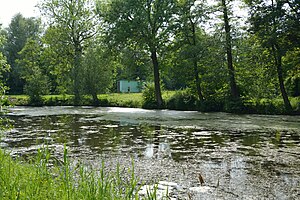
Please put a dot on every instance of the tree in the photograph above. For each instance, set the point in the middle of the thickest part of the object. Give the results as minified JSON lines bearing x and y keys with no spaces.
{"x":133,"y":64}
{"x":292,"y":62}
{"x":255,"y":73}
{"x":36,"y":82}
{"x":270,"y":22}
{"x":77,"y":23}
{"x":97,"y":71}
{"x":3,"y":62}
{"x":4,"y":67}
{"x":228,"y":46}
{"x":18,"y":32}
{"x":58,"y":59}
{"x":146,"y":23}
{"x":191,"y":13}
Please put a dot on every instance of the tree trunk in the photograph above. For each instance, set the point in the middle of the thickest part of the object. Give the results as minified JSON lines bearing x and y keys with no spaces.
{"x":197,"y":80}
{"x":195,"y":63}
{"x":232,"y":82}
{"x":77,"y":60}
{"x":158,"y":96}
{"x":278,"y":63}
{"x":95,"y":98}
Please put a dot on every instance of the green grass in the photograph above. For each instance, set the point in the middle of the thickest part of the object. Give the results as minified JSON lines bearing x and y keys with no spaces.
{"x":37,"y":180}
{"x":18,"y":99}
{"x":135,"y":100}
{"x":123,"y":99}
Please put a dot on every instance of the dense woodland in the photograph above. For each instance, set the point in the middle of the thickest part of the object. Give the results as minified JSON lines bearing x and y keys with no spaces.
{"x":219,"y":55}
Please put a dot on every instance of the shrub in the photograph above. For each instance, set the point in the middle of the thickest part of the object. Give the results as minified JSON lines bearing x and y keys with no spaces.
{"x":59,"y":100}
{"x":149,"y":100}
{"x":212,"y":104}
{"x":183,"y":100}
{"x":36,"y":86}
{"x":265,"y":106}
{"x":296,"y":104}
{"x":234,"y":105}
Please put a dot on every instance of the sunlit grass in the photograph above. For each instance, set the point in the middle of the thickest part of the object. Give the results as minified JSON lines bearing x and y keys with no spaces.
{"x":135,"y":100}
{"x":123,"y":99}
{"x":113,"y":99}
{"x":40,"y":180}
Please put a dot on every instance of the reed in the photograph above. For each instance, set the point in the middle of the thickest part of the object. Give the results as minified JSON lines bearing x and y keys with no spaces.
{"x":47,"y":178}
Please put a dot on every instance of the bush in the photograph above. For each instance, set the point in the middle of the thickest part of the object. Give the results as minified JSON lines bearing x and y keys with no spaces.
{"x":296,"y":104}
{"x":60,"y":100}
{"x":265,"y":106}
{"x":211,"y":104}
{"x":234,"y":105}
{"x":183,"y":100}
{"x":149,"y":100}
{"x":103,"y":102}
{"x":36,"y":86}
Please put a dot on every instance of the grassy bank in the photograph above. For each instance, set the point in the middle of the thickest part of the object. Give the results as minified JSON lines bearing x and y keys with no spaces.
{"x":37,"y":180}
{"x":176,"y":100}
{"x":134,"y":100}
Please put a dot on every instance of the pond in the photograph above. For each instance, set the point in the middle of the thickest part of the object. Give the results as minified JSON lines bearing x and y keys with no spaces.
{"x":239,"y":156}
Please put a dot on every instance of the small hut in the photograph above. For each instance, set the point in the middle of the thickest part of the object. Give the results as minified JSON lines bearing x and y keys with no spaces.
{"x":128,"y":86}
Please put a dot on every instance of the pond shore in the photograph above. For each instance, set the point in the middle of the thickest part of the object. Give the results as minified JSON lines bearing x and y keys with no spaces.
{"x":135,"y":100}
{"x":238,"y":156}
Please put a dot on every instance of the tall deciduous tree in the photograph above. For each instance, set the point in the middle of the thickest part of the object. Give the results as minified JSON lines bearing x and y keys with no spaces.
{"x":228,"y":46}
{"x":58,"y":58}
{"x":146,"y":23}
{"x":76,"y":21}
{"x":36,"y":82}
{"x":4,"y":67}
{"x":19,"y":31}
{"x":191,"y":13}
{"x":271,"y":21}
{"x":97,"y":70}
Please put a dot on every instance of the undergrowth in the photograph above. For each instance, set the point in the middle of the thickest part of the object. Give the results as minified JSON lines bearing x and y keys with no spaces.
{"x":47,"y":178}
{"x":175,"y":100}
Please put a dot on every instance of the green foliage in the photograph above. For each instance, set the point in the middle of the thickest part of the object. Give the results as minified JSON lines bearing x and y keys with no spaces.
{"x":255,"y":74}
{"x":36,"y":82}
{"x":97,"y":71}
{"x":46,"y":177}
{"x":58,"y":58}
{"x":4,"y":67}
{"x":234,"y":105}
{"x":291,"y":62}
{"x":296,"y":104}
{"x":146,"y":24}
{"x":183,"y":100}
{"x":133,"y":64}
{"x":149,"y":99}
{"x":89,"y":45}
{"x":265,"y":106}
{"x":271,"y":23}
{"x":76,"y":23}
{"x":212,"y":104}
{"x":36,"y":85}
{"x":19,"y":31}
{"x":58,"y":100}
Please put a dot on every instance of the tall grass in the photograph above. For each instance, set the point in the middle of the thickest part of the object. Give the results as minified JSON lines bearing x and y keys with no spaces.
{"x":41,"y":179}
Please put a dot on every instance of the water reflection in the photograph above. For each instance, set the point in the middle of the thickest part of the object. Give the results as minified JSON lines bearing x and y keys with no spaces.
{"x":234,"y":150}
{"x":100,"y":136}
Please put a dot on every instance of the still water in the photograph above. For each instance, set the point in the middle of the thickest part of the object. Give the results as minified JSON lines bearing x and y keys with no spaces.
{"x":239,"y":156}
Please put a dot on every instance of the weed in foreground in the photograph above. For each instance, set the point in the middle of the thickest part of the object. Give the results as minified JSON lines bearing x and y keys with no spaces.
{"x":47,"y":178}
